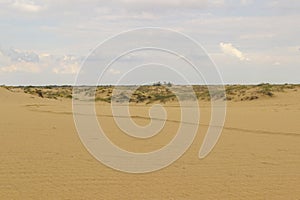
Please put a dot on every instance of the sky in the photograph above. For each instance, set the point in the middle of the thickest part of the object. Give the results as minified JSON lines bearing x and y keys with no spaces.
{"x":250,"y":41}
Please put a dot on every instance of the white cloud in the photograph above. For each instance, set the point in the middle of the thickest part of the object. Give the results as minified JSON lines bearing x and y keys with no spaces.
{"x":229,"y":49}
{"x":27,"y":6}
{"x":114,"y":71}
{"x":15,"y":60}
{"x":67,"y":69}
{"x":67,"y":65}
{"x":17,"y":55}
{"x":21,"y":67}
{"x":277,"y":63}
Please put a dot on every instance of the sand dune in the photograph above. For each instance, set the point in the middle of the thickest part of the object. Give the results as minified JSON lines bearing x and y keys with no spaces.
{"x":257,"y":156}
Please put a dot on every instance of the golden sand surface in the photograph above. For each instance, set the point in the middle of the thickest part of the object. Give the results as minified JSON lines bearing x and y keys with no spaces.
{"x":257,"y":156}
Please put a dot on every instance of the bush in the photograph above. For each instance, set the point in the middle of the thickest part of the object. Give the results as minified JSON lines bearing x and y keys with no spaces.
{"x":266,"y":89}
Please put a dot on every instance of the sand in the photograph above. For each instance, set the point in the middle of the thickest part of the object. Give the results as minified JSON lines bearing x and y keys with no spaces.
{"x":257,"y":156}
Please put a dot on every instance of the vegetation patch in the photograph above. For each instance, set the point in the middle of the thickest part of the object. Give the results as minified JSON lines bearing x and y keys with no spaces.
{"x":160,"y":92}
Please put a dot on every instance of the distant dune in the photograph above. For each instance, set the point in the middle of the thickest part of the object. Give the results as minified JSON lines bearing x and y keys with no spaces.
{"x":162,"y":92}
{"x":257,"y":156}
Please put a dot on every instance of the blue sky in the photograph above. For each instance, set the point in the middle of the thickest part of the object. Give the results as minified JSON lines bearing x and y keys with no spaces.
{"x":251,"y":41}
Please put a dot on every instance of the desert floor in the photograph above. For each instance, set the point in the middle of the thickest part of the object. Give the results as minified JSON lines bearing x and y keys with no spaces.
{"x":257,"y":156}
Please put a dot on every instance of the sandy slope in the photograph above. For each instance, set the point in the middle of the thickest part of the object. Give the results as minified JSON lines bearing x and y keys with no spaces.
{"x":257,"y":157}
